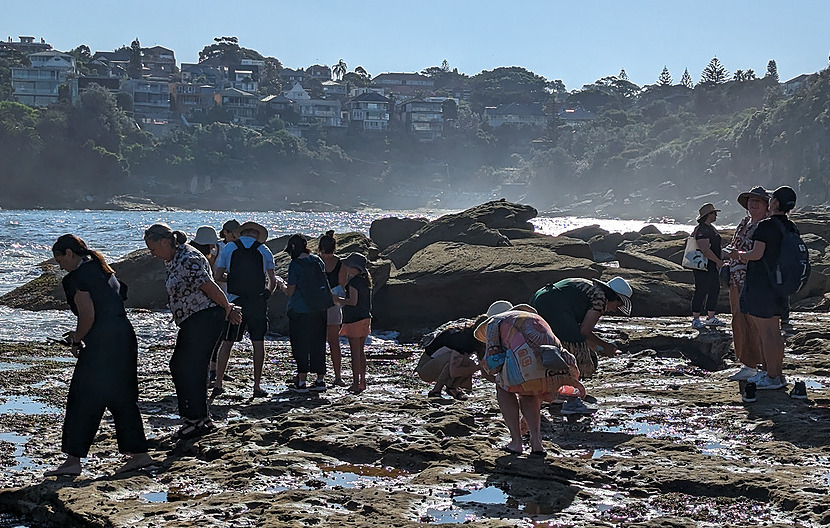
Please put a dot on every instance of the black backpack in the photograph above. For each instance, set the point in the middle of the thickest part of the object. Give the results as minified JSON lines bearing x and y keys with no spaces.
{"x":314,"y":286}
{"x":246,"y":276}
{"x":792,"y":269}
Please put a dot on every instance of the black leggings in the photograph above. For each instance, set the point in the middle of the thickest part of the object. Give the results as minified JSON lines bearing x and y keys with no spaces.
{"x":105,"y":378}
{"x":707,"y":288}
{"x":307,"y":333}
{"x":189,"y":364}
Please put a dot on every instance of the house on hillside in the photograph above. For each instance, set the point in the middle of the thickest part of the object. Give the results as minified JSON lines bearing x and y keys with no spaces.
{"x":207,"y":72}
{"x":38,"y":84}
{"x":517,"y":114}
{"x":369,"y":112}
{"x":574,"y":115}
{"x":404,"y":84}
{"x":158,"y":63}
{"x":796,"y":84}
{"x":241,"y":105}
{"x":334,"y":89}
{"x":422,"y":118}
{"x":320,"y":72}
{"x":289,"y":77}
{"x":297,"y":93}
{"x":27,"y":45}
{"x":193,"y":99}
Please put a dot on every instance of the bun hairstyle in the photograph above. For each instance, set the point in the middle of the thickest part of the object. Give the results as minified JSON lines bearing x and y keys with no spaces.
{"x":786,"y":198}
{"x":327,"y":243}
{"x":157,"y":232}
{"x":79,"y":247}
{"x":297,"y":245}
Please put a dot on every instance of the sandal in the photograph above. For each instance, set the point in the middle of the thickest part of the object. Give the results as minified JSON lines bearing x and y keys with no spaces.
{"x":458,"y":394}
{"x":194,"y":428}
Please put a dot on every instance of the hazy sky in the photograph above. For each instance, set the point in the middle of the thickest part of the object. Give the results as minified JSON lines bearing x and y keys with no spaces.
{"x":577,"y":41}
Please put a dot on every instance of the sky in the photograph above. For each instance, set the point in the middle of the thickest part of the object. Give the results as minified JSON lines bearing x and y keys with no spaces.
{"x":578,"y":41}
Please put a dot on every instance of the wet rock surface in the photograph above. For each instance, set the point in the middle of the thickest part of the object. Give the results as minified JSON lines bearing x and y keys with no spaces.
{"x":671,"y":444}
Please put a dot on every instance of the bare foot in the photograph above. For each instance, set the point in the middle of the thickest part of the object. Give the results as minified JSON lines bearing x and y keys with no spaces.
{"x":137,"y":461}
{"x":70,"y":468}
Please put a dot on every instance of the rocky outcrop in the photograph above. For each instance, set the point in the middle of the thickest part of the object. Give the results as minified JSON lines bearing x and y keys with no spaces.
{"x":644,"y":262}
{"x":390,"y":230}
{"x":478,"y":225}
{"x":449,"y":280}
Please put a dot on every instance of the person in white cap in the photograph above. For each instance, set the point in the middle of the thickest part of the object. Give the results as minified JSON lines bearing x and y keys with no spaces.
{"x":572,"y":308}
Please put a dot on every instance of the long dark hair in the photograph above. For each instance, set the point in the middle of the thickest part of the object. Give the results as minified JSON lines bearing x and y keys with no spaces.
{"x":157,"y":232}
{"x":327,"y":243}
{"x":78,"y":246}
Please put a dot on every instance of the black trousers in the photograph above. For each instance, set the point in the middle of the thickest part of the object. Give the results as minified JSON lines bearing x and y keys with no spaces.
{"x":707,"y":289}
{"x":197,"y":337}
{"x":307,"y":333}
{"x":105,"y":377}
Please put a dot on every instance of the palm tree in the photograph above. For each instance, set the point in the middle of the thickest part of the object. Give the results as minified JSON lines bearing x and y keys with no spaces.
{"x":339,"y":69}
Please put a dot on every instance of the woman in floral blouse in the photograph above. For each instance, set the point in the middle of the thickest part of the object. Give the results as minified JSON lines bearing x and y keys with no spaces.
{"x":744,"y":334}
{"x":199,"y":308}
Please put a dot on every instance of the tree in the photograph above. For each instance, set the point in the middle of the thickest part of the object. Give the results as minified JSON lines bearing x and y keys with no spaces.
{"x":772,"y":70}
{"x":743,"y":76}
{"x":508,"y":85}
{"x":228,"y":51}
{"x":714,"y":73}
{"x":339,"y":69}
{"x":360,"y":70}
{"x":686,"y":80}
{"x":269,"y":77}
{"x":665,"y":78}
{"x":623,"y":76}
{"x":135,"y":67}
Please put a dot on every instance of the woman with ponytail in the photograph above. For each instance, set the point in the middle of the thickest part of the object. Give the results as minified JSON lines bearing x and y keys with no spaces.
{"x":199,"y":308}
{"x":335,"y":272}
{"x":105,"y":375}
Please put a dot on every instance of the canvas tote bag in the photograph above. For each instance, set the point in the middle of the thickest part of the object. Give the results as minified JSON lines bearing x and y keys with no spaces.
{"x":692,"y":256}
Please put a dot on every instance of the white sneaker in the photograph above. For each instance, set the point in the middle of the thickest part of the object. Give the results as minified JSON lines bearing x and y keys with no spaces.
{"x":713,"y":321}
{"x":576,"y":406}
{"x":697,"y":325}
{"x":744,"y":374}
{"x":767,"y":383}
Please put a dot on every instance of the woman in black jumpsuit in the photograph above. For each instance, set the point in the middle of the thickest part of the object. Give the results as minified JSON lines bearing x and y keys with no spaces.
{"x":105,"y":375}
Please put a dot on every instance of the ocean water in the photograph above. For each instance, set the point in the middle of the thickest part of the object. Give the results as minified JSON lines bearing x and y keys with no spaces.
{"x":26,"y":238}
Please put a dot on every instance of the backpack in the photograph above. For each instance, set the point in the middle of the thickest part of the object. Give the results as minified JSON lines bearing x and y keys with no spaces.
{"x":792,"y":269}
{"x":246,"y":276}
{"x":314,"y":286}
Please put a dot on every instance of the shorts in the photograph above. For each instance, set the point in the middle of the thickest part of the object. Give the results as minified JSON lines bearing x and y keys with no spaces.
{"x":760,"y":300}
{"x":254,"y":318}
{"x":360,"y":328}
{"x":334,"y":316}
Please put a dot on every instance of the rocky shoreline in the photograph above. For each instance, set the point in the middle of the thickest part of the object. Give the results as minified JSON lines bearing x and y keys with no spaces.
{"x":671,"y":445}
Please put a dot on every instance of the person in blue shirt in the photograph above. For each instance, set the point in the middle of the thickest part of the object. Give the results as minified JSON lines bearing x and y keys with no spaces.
{"x":247,"y":266}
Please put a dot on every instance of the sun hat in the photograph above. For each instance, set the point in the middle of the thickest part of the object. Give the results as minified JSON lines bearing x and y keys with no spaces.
{"x":706,"y":210}
{"x":623,"y":290}
{"x":296,"y":241}
{"x":205,"y":235}
{"x":498,"y":308}
{"x":357,"y":261}
{"x":262,"y":233}
{"x":755,"y":192}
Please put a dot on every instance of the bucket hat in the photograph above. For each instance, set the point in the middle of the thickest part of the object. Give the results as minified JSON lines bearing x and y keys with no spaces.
{"x":706,"y":210}
{"x":357,"y":261}
{"x":206,"y":235}
{"x":755,"y":192}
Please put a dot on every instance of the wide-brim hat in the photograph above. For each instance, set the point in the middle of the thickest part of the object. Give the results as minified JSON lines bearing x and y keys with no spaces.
{"x":755,"y":192}
{"x":624,"y":291}
{"x":706,"y":209}
{"x":205,"y":235}
{"x":498,"y":308}
{"x":262,"y":233}
{"x":357,"y":261}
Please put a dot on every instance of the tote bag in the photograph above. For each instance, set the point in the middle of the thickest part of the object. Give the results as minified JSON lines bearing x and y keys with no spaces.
{"x":692,"y":256}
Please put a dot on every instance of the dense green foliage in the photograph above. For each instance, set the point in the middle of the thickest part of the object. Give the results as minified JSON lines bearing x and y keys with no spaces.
{"x":658,"y":142}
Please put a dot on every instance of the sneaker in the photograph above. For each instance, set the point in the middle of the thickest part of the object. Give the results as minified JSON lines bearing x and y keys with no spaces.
{"x":697,"y":325}
{"x":757,"y":377}
{"x":749,"y":393}
{"x":576,"y":406}
{"x":713,"y":321}
{"x":799,"y":391}
{"x":319,"y":386}
{"x":767,"y":383}
{"x":298,"y":386}
{"x":744,"y":374}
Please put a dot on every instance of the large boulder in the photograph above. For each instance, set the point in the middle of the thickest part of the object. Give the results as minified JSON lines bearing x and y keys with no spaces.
{"x":586,"y":233}
{"x":449,"y":280}
{"x":390,"y":230}
{"x":145,"y":276}
{"x":643,"y":262}
{"x":478,"y":225}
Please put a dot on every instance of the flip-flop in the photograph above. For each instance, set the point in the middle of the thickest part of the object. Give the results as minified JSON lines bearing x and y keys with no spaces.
{"x":511,"y":451}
